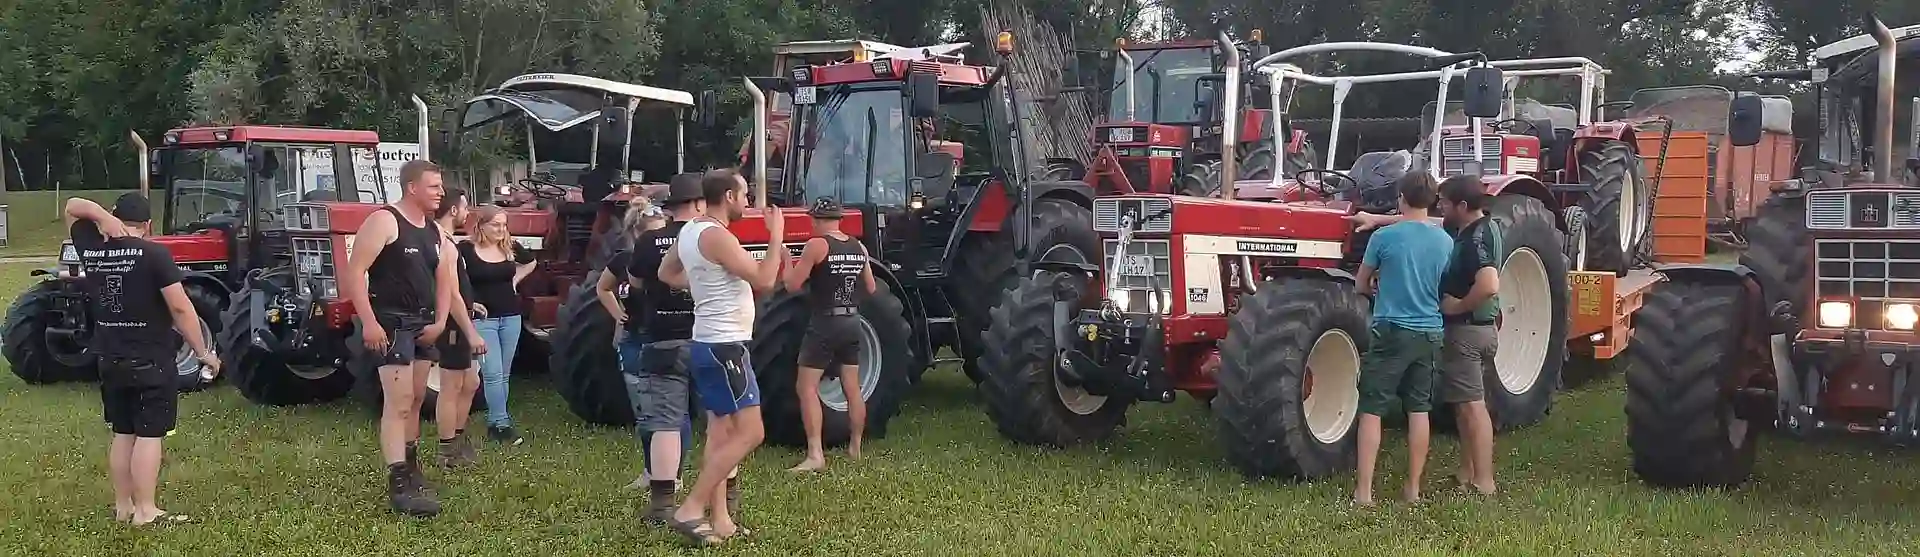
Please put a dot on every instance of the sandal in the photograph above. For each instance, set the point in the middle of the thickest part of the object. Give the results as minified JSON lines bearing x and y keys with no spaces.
{"x":741,"y":532}
{"x":698,"y":531}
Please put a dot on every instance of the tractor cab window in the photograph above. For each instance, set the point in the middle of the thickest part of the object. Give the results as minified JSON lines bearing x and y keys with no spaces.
{"x":857,"y":150}
{"x":204,"y":185}
{"x":1165,"y":85}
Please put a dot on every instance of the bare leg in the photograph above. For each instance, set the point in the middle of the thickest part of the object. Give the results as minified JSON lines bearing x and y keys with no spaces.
{"x":120,"y":468}
{"x":447,"y":405}
{"x":856,"y":408}
{"x":1463,"y":423}
{"x":807,"y":388}
{"x":719,"y":432}
{"x":1369,"y":454}
{"x":398,"y":419}
{"x":1418,"y":434}
{"x":146,"y":479}
{"x":744,"y":435}
{"x":421,"y":369}
{"x":663,"y":458}
{"x":1479,"y":446}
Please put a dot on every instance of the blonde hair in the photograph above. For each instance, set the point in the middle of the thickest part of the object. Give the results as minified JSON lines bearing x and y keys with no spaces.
{"x":479,"y":234}
{"x":642,"y":215}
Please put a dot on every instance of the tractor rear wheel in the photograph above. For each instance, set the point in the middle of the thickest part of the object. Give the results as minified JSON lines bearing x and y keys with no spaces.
{"x":265,"y":377}
{"x":207,"y":305}
{"x":886,"y":358}
{"x":1778,"y":250}
{"x":1533,"y":313}
{"x":1681,"y":425}
{"x":1256,"y":163}
{"x":1026,"y":402}
{"x":986,"y":268}
{"x":1290,"y":379}
{"x":26,"y":346}
{"x":585,"y":364}
{"x":1616,"y":210}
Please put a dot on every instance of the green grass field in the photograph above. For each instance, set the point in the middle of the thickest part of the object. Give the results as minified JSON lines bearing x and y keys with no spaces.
{"x":307,"y":481}
{"x":34,"y":222}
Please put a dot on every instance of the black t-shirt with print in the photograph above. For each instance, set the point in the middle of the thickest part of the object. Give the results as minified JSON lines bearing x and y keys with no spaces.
{"x":123,"y":281}
{"x":669,"y":309}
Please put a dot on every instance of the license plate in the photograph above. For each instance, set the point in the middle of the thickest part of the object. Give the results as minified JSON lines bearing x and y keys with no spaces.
{"x":1136,"y":266}
{"x":1120,"y":135}
{"x":310,"y":264}
{"x":803,"y":95}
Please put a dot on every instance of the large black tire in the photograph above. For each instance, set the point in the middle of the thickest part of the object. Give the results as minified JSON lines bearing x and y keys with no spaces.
{"x":1525,"y":399}
{"x":1614,"y":169}
{"x":778,"y":333}
{"x":208,"y":304}
{"x":585,"y":365}
{"x":1264,"y":379}
{"x":1778,"y":250}
{"x":986,"y":268}
{"x":1680,"y":422}
{"x":26,"y":341}
{"x":264,"y":377}
{"x":1022,"y":396}
{"x":1256,"y":163}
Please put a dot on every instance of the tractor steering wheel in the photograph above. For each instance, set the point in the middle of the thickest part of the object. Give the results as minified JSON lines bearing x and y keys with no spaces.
{"x":1512,"y":124}
{"x":541,"y":189}
{"x":1341,"y":183}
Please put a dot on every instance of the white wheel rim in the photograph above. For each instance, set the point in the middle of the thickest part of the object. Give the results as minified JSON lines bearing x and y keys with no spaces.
{"x":1077,"y":400}
{"x":833,"y":396}
{"x":1629,"y":209}
{"x":1333,"y":368}
{"x":311,"y":373}
{"x":184,"y":363}
{"x":1526,"y":321}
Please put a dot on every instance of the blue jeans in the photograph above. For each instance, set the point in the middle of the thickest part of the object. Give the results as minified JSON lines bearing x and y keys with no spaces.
{"x":629,"y":346}
{"x":502,"y":335}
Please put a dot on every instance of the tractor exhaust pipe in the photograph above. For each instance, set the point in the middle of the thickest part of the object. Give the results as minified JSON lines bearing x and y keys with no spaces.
{"x":1229,"y":119}
{"x":1883,"y":126}
{"x":146,"y":163}
{"x":420,"y":106}
{"x":759,"y":139}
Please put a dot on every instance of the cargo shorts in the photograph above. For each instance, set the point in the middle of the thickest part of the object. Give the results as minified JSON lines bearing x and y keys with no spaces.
{"x":1398,"y":368}
{"x":1466,"y":361}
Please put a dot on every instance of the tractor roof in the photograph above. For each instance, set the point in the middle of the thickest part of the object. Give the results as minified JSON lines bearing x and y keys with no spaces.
{"x":559,"y":101}
{"x":951,"y":74}
{"x":1862,"y":43}
{"x":289,"y":134}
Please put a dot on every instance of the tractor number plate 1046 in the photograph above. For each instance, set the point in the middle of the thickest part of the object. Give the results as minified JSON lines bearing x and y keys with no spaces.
{"x":803,"y":95}
{"x":1136,"y":266}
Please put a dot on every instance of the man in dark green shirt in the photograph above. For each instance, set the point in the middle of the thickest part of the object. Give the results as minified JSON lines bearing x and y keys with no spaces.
{"x":1470,"y":308}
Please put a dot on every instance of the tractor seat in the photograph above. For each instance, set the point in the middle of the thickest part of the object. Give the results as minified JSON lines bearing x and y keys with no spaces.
{"x":1555,"y":150}
{"x":1376,"y":174}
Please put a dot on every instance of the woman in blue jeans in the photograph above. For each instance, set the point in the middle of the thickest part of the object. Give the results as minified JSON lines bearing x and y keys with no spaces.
{"x":497,"y":265}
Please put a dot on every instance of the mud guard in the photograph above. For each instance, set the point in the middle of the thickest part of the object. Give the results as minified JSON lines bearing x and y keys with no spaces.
{"x":1707,"y":273}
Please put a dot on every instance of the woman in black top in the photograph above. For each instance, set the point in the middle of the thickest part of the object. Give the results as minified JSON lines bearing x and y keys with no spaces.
{"x":496,"y":264}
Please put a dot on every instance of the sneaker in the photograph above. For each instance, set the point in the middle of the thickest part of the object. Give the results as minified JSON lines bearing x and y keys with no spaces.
{"x":504,"y":435}
{"x":406,"y":495}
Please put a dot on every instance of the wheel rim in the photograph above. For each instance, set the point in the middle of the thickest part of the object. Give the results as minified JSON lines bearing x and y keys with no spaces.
{"x":1629,"y":208}
{"x":311,"y":372}
{"x":1333,"y":372}
{"x":872,"y":364}
{"x":1526,"y":321}
{"x":1077,"y":400}
{"x":184,"y":362}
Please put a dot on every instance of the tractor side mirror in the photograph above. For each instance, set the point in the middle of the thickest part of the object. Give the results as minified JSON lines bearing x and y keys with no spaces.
{"x":706,"y":109}
{"x":1743,"y":120}
{"x":923,"y":90}
{"x":1484,"y":95}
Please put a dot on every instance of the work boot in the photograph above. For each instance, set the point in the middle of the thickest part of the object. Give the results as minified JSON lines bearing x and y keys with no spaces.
{"x":405,"y":494}
{"x":660,"y":504}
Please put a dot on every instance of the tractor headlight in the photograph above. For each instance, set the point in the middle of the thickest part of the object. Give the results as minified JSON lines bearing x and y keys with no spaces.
{"x":1901,"y":316}
{"x":1120,"y":300}
{"x":1836,"y":315}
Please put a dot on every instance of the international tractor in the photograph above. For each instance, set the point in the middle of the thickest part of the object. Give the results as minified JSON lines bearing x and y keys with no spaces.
{"x":1813,"y":332}
{"x":1161,"y":121}
{"x":227,"y":194}
{"x":1248,"y":301}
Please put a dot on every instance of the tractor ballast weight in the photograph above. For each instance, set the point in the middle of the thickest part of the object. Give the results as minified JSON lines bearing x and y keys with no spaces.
{"x":1813,"y":333}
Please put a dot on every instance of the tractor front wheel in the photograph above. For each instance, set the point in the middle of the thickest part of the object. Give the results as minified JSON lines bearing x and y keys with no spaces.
{"x":886,"y":358}
{"x":27,"y":350}
{"x":1026,"y":402}
{"x":987,"y":269}
{"x":1290,"y":379}
{"x":266,"y":377}
{"x":1681,"y":425}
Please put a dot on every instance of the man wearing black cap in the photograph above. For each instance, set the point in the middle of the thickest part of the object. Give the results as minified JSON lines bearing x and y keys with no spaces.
{"x":136,"y":301}
{"x":834,"y":272}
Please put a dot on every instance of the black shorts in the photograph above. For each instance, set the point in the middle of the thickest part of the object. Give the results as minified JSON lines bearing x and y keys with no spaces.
{"x":454,"y":350}
{"x":664,"y":385}
{"x":831,"y":340}
{"x":139,"y":396}
{"x":403,"y":344}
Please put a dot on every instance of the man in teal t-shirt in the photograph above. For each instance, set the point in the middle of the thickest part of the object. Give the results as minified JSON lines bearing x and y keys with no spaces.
{"x":1405,"y":261}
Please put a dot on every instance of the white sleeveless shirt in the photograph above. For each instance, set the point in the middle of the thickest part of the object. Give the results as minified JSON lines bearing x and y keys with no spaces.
{"x":722,"y":303}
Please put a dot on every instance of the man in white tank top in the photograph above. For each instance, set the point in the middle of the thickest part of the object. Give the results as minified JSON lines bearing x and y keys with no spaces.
{"x":708,"y":260}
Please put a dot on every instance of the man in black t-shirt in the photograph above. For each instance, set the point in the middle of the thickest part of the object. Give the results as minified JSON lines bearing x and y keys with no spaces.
{"x":136,"y":303}
{"x":834,"y":273}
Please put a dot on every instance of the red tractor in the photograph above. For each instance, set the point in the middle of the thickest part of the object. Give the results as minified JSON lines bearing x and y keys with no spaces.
{"x":228,"y":193}
{"x":1161,"y":126}
{"x":1248,"y":302}
{"x":1814,"y":331}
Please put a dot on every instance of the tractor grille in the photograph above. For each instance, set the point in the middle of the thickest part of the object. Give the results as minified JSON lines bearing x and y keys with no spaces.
{"x":1456,"y":151}
{"x":1873,"y":272}
{"x":1866,"y":210}
{"x":1107,"y":212}
{"x":1126,"y":279}
{"x":304,"y":216}
{"x":314,"y":257}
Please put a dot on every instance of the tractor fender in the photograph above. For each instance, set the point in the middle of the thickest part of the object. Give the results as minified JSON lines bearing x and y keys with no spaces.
{"x":1584,"y":139}
{"x":1707,"y":273}
{"x":1075,"y":170}
{"x":1311,"y":273}
{"x":1074,"y":191}
{"x":1524,"y":185}
{"x":208,"y":282}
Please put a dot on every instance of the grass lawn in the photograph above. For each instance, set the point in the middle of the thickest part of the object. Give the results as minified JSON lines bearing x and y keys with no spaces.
{"x":33,"y":219}
{"x":307,"y":481}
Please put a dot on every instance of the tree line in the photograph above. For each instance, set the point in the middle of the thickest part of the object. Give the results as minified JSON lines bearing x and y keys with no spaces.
{"x":77,"y":74}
